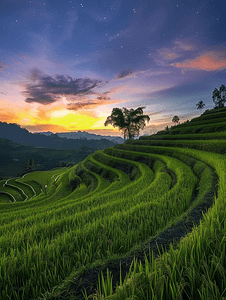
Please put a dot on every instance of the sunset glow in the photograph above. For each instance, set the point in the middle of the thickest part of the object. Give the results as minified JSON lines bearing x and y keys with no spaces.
{"x":65,"y":66}
{"x":205,"y":62}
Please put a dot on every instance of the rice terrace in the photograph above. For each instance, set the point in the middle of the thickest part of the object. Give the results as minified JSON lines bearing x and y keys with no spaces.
{"x":142,"y":220}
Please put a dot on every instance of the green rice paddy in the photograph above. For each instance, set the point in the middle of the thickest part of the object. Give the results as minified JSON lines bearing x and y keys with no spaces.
{"x":142,"y":220}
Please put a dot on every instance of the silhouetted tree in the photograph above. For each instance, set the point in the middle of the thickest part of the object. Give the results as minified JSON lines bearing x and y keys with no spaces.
{"x":200,"y":105}
{"x":167,"y":128}
{"x":129,"y":121}
{"x":175,"y":120}
{"x":219,"y":96}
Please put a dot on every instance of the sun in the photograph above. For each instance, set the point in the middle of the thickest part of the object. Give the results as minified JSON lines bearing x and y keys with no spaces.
{"x":75,"y":121}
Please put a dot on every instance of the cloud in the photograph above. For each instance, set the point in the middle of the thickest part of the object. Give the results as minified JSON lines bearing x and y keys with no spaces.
{"x":149,"y":129}
{"x":179,"y":48}
{"x":155,"y":113}
{"x":46,"y":89}
{"x":45,"y":127}
{"x":6,"y":116}
{"x":206,"y":62}
{"x":88,"y":104}
{"x":22,"y":56}
{"x":3,"y":65}
{"x":17,"y":61}
{"x":184,"y":45}
{"x":124,"y":73}
{"x":81,"y":105}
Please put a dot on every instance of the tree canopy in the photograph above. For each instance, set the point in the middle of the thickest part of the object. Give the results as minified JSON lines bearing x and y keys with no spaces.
{"x":200,"y":105}
{"x":176,"y":119}
{"x":219,"y":96}
{"x":129,"y":121}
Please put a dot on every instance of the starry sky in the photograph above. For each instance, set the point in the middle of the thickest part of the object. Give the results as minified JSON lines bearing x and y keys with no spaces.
{"x":65,"y":64}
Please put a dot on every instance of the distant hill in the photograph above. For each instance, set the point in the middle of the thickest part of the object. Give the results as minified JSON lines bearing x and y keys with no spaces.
{"x":14,"y":155}
{"x":20,"y":135}
{"x":86,"y":135}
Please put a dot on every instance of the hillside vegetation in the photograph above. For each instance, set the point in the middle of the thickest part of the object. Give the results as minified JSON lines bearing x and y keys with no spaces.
{"x":141,"y":220}
{"x":13,"y":157}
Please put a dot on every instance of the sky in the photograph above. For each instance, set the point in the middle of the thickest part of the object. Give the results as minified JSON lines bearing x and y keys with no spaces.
{"x":65,"y":64}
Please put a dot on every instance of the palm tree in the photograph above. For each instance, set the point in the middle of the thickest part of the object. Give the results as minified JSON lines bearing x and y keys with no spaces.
{"x":200,"y":105}
{"x":219,"y":96}
{"x":129,"y":121}
{"x":175,"y":119}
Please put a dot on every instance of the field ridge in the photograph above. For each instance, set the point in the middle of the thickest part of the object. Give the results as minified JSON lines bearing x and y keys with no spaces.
{"x":144,"y":207}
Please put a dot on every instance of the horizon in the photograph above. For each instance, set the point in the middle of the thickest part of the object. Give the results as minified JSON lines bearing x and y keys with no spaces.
{"x":71,"y":131}
{"x":74,"y":131}
{"x":65,"y":66}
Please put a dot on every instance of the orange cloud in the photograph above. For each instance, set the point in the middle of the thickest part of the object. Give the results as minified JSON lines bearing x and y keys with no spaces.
{"x":45,"y":127}
{"x":8,"y":117}
{"x":178,"y":49}
{"x":205,"y":62}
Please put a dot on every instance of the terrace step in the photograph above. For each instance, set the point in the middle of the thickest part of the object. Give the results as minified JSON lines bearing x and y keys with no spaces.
{"x":35,"y":186}
{"x":28,"y":192}
{"x":6,"y":197}
{"x":200,"y":136}
{"x":14,"y":191}
{"x":154,"y":193}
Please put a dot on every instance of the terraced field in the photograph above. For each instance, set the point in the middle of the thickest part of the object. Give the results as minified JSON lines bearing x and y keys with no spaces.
{"x":142,"y":220}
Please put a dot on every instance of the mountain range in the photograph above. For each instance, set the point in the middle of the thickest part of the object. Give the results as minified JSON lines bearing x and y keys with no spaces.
{"x":20,"y":135}
{"x":86,"y":135}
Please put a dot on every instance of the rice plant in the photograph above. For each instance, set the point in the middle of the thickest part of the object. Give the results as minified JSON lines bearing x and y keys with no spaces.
{"x":57,"y":226}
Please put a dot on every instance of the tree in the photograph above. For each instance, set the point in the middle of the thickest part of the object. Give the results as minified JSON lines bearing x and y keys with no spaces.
{"x":129,"y":121}
{"x":175,"y":119}
{"x":167,"y":128}
{"x":29,"y":166}
{"x":62,"y":163}
{"x":70,"y":164}
{"x":200,"y":105}
{"x":219,"y":96}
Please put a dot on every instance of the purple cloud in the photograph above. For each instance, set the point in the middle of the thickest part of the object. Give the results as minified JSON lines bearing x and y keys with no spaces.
{"x":46,"y":89}
{"x":124,"y":73}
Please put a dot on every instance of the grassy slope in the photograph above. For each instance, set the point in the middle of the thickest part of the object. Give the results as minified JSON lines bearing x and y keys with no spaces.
{"x":124,"y":199}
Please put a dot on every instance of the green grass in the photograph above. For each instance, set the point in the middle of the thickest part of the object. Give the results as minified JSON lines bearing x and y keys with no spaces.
{"x":199,"y":136}
{"x":67,"y":221}
{"x":14,"y":191}
{"x":205,"y":128}
{"x":216,"y":146}
{"x":196,"y":268}
{"x":6,"y":197}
